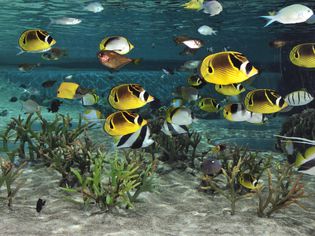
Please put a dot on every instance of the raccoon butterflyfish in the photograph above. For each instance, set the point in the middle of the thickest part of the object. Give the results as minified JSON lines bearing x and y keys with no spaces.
{"x":128,"y":96}
{"x":173,"y":129}
{"x":122,"y":122}
{"x":189,"y":94}
{"x":248,"y":181}
{"x":71,"y":90}
{"x":139,"y":139}
{"x":36,"y":41}
{"x":208,"y":105}
{"x":89,"y":99}
{"x":265,"y":101}
{"x":236,"y":112}
{"x":114,"y":60}
{"x":303,"y":55}
{"x":196,"y":81}
{"x":229,"y":89}
{"x":226,"y":68}
{"x":92,"y":115}
{"x":117,"y":44}
{"x":179,"y":116}
{"x":193,"y":5}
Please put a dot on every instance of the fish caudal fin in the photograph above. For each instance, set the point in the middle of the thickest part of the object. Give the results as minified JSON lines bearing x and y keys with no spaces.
{"x":270,"y":18}
{"x":137,"y":61}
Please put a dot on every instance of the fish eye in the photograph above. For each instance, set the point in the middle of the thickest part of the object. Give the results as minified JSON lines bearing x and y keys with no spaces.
{"x":248,"y":67}
{"x":296,"y":55}
{"x":226,"y":112}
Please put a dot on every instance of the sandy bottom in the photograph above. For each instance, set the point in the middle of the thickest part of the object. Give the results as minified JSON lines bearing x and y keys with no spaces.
{"x":177,"y":208}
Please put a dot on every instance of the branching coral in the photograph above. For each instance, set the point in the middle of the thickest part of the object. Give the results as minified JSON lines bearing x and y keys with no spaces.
{"x":284,"y":191}
{"x":55,"y":143}
{"x":9,"y":175}
{"x":235,"y":161}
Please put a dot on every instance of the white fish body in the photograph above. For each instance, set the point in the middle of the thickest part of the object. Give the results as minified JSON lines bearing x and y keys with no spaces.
{"x":65,"y":21}
{"x":193,"y":44}
{"x":298,"y":98}
{"x":182,"y":116}
{"x":92,"y":116}
{"x":212,"y":7}
{"x":257,"y":118}
{"x":296,"y":13}
{"x":94,"y":7}
{"x":119,"y":45}
{"x":30,"y":106}
{"x":206,"y":30}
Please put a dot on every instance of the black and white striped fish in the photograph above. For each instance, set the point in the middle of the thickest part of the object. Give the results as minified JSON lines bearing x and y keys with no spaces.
{"x":298,"y":98}
{"x":173,"y":129}
{"x":139,"y":139}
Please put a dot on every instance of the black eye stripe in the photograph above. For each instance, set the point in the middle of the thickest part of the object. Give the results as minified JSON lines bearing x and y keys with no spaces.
{"x":248,"y":68}
{"x":210,"y":70}
{"x":146,"y":96}
{"x":49,"y":40}
{"x":140,"y":120}
{"x":296,"y":54}
{"x":115,"y":97}
{"x":24,"y":40}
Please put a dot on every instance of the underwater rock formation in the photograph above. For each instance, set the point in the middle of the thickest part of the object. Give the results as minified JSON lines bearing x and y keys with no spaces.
{"x":298,"y":125}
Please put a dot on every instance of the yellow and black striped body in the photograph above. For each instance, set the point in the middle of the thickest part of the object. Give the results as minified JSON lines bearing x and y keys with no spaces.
{"x":122,"y":123}
{"x":303,"y":55}
{"x":196,"y":81}
{"x":226,"y":68}
{"x":208,"y":105}
{"x":265,"y":101}
{"x":36,"y":40}
{"x":128,"y":96}
{"x":230,"y":89}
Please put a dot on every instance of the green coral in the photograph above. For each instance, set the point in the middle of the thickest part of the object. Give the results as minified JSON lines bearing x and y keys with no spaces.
{"x":114,"y":181}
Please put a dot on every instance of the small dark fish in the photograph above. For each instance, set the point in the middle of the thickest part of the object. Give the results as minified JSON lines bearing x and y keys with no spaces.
{"x":54,"y":106}
{"x":40,"y":204}
{"x":168,"y":71}
{"x":13,"y":99}
{"x":23,"y":86}
{"x":4,"y":113}
{"x":277,"y":43}
{"x":211,"y":167}
{"x":48,"y":83}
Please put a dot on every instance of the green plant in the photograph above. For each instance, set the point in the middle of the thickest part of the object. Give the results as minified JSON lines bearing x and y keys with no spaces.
{"x":8,"y":177}
{"x":286,"y":190}
{"x":116,"y":183}
{"x":56,"y":143}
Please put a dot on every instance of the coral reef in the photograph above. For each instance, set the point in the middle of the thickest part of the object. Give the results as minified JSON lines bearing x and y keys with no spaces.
{"x":55,"y":143}
{"x":8,"y":177}
{"x":284,"y":191}
{"x":115,"y":181}
{"x":236,"y":161}
{"x":298,"y":125}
